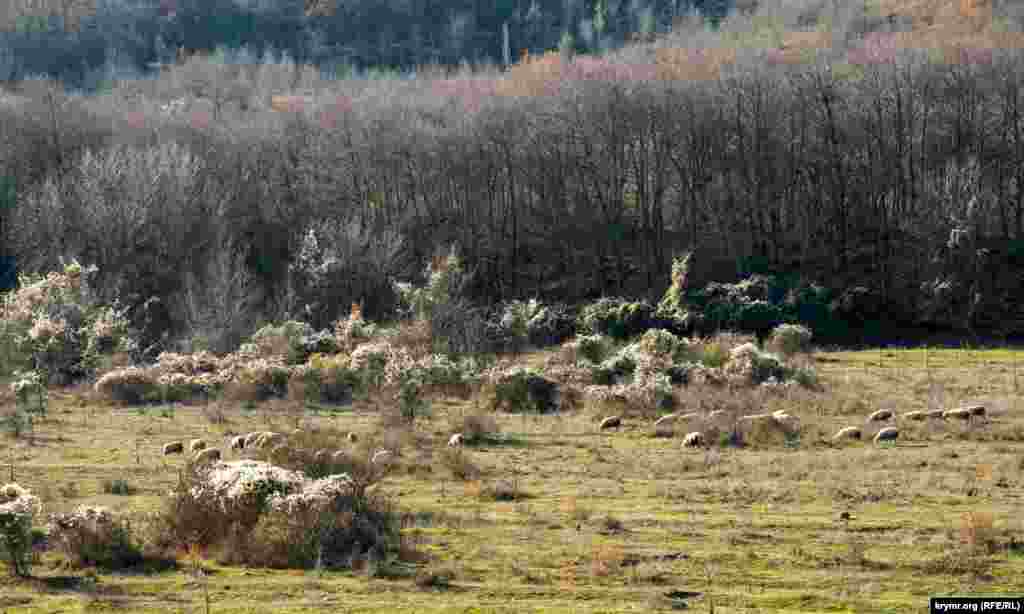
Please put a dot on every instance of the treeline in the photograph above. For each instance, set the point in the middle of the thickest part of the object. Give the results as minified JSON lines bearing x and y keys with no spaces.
{"x":891,"y":177}
{"x":86,"y":43}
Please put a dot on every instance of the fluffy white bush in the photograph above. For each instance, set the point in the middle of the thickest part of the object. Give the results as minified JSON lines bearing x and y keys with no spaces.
{"x":18,"y":510}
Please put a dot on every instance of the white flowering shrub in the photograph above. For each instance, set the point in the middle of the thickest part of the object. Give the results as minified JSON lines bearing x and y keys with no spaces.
{"x":749,"y":365}
{"x":594,"y":348}
{"x":258,"y":513}
{"x":284,"y":340}
{"x":128,"y":385}
{"x":790,"y":339}
{"x":650,"y":391}
{"x":18,"y":510}
{"x":94,"y":537}
{"x":56,"y":325}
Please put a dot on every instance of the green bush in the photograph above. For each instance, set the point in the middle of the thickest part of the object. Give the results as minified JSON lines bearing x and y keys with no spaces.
{"x":790,"y":339}
{"x":594,"y":348}
{"x":523,"y":390}
{"x":617,"y":318}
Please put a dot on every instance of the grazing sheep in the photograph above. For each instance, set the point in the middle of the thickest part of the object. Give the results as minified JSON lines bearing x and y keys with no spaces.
{"x":238,"y":443}
{"x":339,"y":457}
{"x":715,"y":415}
{"x":889,"y":433}
{"x":611,"y":422}
{"x":881,"y":415}
{"x":455,"y":440}
{"x":250,"y":439}
{"x":269,"y":439}
{"x":850,"y":432}
{"x":196,"y":445}
{"x":352,"y":438}
{"x":693,"y":440}
{"x":976,"y":410}
{"x":206,"y":455}
{"x":175,"y":447}
{"x":962,"y":413}
{"x":381,"y":457}
{"x":915,"y":415}
{"x":322,"y":456}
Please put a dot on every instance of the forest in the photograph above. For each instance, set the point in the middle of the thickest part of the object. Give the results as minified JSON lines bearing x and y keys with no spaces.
{"x":865,"y":164}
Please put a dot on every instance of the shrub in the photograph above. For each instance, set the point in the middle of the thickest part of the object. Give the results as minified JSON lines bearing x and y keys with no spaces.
{"x":457,"y":327}
{"x":93,"y":537}
{"x":617,"y":318}
{"x":522,"y":389}
{"x":789,"y":339}
{"x":552,"y":325}
{"x":594,"y":348}
{"x":713,"y":354}
{"x":30,"y":391}
{"x":128,"y":385}
{"x":337,"y":380}
{"x":254,"y":513}
{"x":118,"y":487}
{"x":750,"y":365}
{"x":56,"y":324}
{"x":284,"y":340}
{"x":18,"y":509}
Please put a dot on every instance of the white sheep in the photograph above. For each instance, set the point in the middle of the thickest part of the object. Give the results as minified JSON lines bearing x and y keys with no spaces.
{"x":238,"y":443}
{"x":693,"y":440}
{"x":250,"y":439}
{"x":455,"y":440}
{"x":206,"y":455}
{"x":175,"y":447}
{"x":889,"y":433}
{"x":196,"y":445}
{"x":881,"y":415}
{"x":850,"y":432}
{"x":960,"y":413}
{"x":611,"y":422}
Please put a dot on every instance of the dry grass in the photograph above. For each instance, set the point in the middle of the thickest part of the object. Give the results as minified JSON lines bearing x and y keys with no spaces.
{"x":613,"y":520}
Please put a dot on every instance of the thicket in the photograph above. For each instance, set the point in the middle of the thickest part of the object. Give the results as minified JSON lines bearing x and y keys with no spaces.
{"x":851,"y":188}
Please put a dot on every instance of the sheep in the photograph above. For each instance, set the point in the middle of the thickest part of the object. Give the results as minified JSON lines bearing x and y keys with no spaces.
{"x":250,"y":439}
{"x":915,"y":415}
{"x":352,"y":437}
{"x":238,"y":443}
{"x":850,"y":432}
{"x":611,"y":422}
{"x":881,"y":415}
{"x":322,"y":456}
{"x":961,"y":413}
{"x":693,"y":440}
{"x":269,"y":439}
{"x":889,"y":433}
{"x":196,"y":445}
{"x":175,"y":447}
{"x":455,"y":441}
{"x":976,"y":410}
{"x":206,"y":455}
{"x":381,"y":457}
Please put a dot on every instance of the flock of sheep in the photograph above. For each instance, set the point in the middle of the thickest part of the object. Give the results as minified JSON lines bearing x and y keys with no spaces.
{"x":261,"y":440}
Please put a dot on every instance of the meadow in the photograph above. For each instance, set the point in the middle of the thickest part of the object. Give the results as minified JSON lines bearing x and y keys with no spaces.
{"x":595,"y":521}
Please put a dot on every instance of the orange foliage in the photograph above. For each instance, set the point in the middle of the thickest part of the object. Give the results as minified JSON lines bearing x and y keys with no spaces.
{"x":683,"y":63}
{"x":534,"y":76}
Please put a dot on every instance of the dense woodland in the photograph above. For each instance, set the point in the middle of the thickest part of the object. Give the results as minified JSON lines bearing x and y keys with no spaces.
{"x":874,"y":167}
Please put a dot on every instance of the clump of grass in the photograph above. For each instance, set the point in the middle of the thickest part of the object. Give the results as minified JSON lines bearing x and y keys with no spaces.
{"x":459,"y":464}
{"x":118,"y":487}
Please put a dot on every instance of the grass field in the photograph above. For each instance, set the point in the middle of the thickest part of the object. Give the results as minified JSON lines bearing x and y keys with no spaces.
{"x":603,"y":521}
